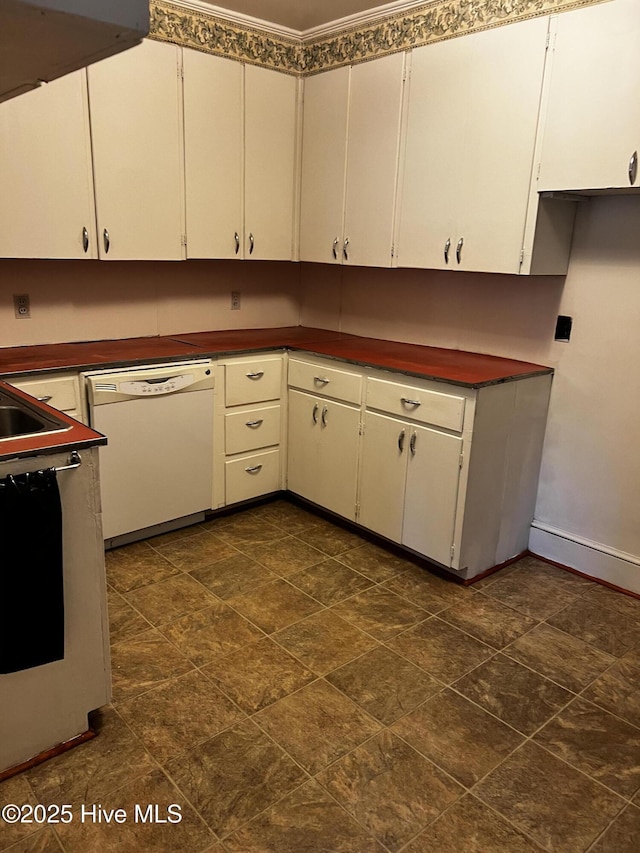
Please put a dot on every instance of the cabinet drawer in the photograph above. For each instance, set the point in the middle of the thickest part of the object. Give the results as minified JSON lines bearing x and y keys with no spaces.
{"x":328,"y":381}
{"x":249,"y":430}
{"x":62,"y":391}
{"x":252,"y":476}
{"x":253,"y":381}
{"x":418,"y":404}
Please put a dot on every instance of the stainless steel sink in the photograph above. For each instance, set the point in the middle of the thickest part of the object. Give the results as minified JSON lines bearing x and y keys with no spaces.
{"x":19,"y":419}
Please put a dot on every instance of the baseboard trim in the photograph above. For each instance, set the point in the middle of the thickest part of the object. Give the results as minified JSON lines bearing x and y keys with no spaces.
{"x":616,"y":569}
{"x":47,"y":754}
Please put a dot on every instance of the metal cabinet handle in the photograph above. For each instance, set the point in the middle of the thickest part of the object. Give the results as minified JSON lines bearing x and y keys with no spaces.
{"x":345,"y":248}
{"x":401,"y":441}
{"x":335,"y":248}
{"x":324,"y":416}
{"x":321,"y":380}
{"x":251,"y":243}
{"x":314,"y":414}
{"x":253,"y":469}
{"x":459,"y":249}
{"x":254,"y":424}
{"x":44,"y":399}
{"x":633,"y":168}
{"x":258,"y":374}
{"x":236,"y":237}
{"x":447,"y":246}
{"x":107,"y":241}
{"x":408,"y":402}
{"x":412,"y":443}
{"x":85,"y":240}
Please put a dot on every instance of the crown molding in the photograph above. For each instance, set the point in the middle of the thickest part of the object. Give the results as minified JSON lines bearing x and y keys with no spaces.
{"x":363,"y":19}
{"x":232,"y":17}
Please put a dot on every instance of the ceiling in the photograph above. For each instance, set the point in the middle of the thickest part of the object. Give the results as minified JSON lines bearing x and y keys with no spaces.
{"x":297,"y":14}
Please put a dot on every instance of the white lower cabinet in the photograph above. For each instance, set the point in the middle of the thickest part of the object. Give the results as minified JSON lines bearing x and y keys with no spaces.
{"x":448,"y":472}
{"x":323,"y":445}
{"x":248,"y":429}
{"x":409,"y":484}
{"x":60,"y":390}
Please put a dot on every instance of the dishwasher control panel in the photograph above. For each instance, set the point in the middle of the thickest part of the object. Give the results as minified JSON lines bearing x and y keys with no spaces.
{"x":105,"y":387}
{"x":142,"y":387}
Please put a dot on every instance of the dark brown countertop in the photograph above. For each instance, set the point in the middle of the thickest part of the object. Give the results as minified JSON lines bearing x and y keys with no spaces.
{"x":472,"y":370}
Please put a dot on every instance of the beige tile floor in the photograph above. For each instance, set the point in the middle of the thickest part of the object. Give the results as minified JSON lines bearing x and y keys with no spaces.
{"x":296,"y":689}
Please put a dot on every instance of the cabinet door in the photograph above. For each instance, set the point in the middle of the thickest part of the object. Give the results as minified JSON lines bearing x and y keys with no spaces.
{"x":214,"y":155}
{"x":323,"y":452}
{"x":270,"y":154}
{"x":385,"y":446}
{"x":592,"y":126}
{"x":136,"y":103}
{"x":471,"y":133}
{"x":324,"y":153}
{"x":434,"y":151}
{"x":431,"y":494}
{"x":45,"y":173}
{"x":372,"y":160}
{"x":501,"y":115}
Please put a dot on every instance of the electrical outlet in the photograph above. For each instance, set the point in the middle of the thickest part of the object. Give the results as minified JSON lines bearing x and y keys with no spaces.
{"x":22,"y":305}
{"x":235,"y":300}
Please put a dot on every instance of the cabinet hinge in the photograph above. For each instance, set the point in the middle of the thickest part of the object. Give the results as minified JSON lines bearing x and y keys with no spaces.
{"x":357,"y":511}
{"x":183,"y":240}
{"x":461,"y":460}
{"x":393,"y":251}
{"x":361,"y":429}
{"x":452,"y":551}
{"x":521,"y":256}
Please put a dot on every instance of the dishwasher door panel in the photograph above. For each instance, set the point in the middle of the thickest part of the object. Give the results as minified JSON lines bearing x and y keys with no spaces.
{"x":158,"y":463}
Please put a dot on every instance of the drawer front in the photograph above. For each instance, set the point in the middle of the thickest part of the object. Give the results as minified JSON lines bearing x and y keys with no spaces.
{"x":62,"y":391}
{"x":252,"y":476}
{"x":253,"y":381}
{"x":250,"y":430}
{"x":328,"y":381}
{"x":418,"y":404}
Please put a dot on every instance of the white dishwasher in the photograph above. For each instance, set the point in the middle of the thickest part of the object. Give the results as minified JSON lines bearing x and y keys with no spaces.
{"x":156,"y":472}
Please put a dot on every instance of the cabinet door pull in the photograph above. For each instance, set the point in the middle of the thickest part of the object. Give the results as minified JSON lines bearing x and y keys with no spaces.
{"x":314,"y":414}
{"x":107,"y":241}
{"x":321,"y":380}
{"x":324,"y":416}
{"x":447,"y":246}
{"x":335,"y":248}
{"x":401,"y":441}
{"x":44,"y":399}
{"x":407,"y":402}
{"x":345,"y":249}
{"x":236,"y":237}
{"x":633,"y":168}
{"x":254,"y":424}
{"x":258,"y":374}
{"x":412,"y":443}
{"x":252,"y":243}
{"x":459,"y":249}
{"x":85,"y":240}
{"x":253,"y":469}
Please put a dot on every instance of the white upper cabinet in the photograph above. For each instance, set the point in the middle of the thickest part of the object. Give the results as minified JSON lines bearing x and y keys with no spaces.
{"x":592,"y":128}
{"x":46,"y":203}
{"x":468,"y":198}
{"x":351,"y":134}
{"x":136,"y":124}
{"x":240,"y":159}
{"x":324,"y":157}
{"x":271,"y":124}
{"x":214,"y":155}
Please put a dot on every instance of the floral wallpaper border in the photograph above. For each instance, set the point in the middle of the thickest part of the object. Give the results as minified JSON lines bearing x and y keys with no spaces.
{"x":434,"y":21}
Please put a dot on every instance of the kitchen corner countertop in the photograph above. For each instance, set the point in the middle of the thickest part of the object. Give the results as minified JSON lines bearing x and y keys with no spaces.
{"x":457,"y":367}
{"x":76,"y":437}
